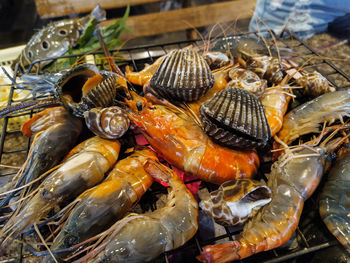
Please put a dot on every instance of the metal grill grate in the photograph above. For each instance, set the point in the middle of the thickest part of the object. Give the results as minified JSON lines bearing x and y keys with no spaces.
{"x":311,"y":235}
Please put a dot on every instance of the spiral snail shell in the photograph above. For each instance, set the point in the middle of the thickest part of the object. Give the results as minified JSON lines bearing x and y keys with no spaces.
{"x":183,"y":75}
{"x":247,"y":80}
{"x":108,"y":123}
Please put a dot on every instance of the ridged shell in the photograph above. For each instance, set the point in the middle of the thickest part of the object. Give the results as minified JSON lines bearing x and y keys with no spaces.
{"x":247,"y":80}
{"x":236,"y":201}
{"x":108,"y":123}
{"x":183,"y":76}
{"x":235,"y":118}
{"x":69,"y":90}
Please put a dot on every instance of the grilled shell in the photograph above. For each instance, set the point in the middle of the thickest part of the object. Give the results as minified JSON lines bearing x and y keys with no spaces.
{"x":183,"y":76}
{"x":73,"y":93}
{"x":235,"y":118}
{"x":236,"y":201}
{"x":247,"y":80}
{"x":108,"y":123}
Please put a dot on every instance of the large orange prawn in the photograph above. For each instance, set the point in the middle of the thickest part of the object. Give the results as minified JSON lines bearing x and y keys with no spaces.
{"x":184,"y":144}
{"x":84,"y":167}
{"x":99,"y":207}
{"x":293,"y":179}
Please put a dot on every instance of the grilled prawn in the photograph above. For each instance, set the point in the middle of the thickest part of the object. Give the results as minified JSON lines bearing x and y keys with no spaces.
{"x":51,"y":127}
{"x":184,"y":144}
{"x":84,"y":167}
{"x":334,"y":200}
{"x":275,"y":223}
{"x":141,"y":238}
{"x":307,"y":117}
{"x":98,"y":208}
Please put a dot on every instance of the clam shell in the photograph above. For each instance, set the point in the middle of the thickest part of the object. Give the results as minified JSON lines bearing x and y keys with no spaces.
{"x":236,"y":201}
{"x":235,"y":118}
{"x":183,"y":76}
{"x":69,"y":90}
{"x":108,"y":123}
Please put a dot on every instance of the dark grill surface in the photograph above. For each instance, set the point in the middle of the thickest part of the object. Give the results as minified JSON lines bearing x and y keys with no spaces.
{"x":311,"y":242}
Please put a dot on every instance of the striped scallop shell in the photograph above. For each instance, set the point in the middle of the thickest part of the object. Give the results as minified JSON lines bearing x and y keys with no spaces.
{"x":236,"y":201}
{"x":183,"y":76}
{"x":69,"y":90}
{"x":235,"y":118}
{"x":108,"y":123}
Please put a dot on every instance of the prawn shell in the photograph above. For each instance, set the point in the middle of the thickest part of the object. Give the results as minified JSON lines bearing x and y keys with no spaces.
{"x":183,"y":76}
{"x":236,"y":201}
{"x":108,"y":123}
{"x":235,"y":118}
{"x":100,"y":96}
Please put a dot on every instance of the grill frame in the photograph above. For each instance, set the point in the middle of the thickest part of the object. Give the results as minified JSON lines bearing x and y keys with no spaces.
{"x":148,"y":53}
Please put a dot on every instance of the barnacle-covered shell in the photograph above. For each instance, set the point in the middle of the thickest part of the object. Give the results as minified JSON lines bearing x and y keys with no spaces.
{"x":236,"y":201}
{"x":183,"y":76}
{"x":247,"y":80}
{"x":266,"y":67}
{"x":235,"y":118}
{"x":73,"y":93}
{"x":314,"y":84}
{"x":216,"y":59}
{"x":108,"y":123}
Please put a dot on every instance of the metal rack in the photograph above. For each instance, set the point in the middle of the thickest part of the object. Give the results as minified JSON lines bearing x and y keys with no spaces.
{"x":311,"y":235}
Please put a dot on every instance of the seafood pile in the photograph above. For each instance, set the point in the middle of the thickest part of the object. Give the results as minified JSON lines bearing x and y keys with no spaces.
{"x":107,"y":137}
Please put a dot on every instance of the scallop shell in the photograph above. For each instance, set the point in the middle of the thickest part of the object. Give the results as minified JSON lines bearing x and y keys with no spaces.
{"x":236,"y":201}
{"x":108,"y":123}
{"x":235,"y":118}
{"x":69,"y":90}
{"x":183,"y":76}
{"x":247,"y":80}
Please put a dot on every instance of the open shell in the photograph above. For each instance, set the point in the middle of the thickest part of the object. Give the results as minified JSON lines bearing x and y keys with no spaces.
{"x":235,"y":118}
{"x":236,"y":201}
{"x":108,"y":123}
{"x":69,"y":89}
{"x":183,"y":76}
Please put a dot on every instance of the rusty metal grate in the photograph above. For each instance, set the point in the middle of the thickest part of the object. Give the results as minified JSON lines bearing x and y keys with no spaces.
{"x":311,"y":235}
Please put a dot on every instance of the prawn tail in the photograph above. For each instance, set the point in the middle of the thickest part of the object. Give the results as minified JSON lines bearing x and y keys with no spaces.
{"x":220,"y":253}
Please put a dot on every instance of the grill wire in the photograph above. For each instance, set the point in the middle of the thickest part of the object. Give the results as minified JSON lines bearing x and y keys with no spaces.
{"x":311,"y":235}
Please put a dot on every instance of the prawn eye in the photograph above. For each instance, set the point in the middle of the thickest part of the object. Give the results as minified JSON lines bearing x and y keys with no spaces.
{"x":62,"y":32}
{"x":45,"y":45}
{"x":139,"y":106}
{"x":70,"y":241}
{"x":30,"y":54}
{"x":45,"y":194}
